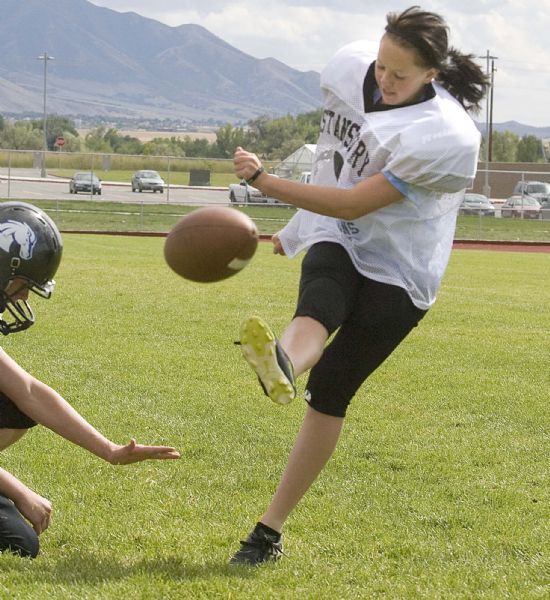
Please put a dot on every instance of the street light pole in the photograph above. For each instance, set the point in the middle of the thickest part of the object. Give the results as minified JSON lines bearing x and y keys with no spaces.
{"x":45,"y":57}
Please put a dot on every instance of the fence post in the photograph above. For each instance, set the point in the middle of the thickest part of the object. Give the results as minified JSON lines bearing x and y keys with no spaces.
{"x":9,"y":175}
{"x":92,"y":178}
{"x":168,"y":182}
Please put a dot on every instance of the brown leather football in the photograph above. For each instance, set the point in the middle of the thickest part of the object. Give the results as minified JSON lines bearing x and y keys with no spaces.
{"x":211,"y":244}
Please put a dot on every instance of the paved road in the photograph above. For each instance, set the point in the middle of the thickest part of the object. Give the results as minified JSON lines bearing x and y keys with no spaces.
{"x":26,"y":184}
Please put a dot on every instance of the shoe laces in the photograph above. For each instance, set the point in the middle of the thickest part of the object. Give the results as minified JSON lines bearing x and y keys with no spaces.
{"x":265,"y":544}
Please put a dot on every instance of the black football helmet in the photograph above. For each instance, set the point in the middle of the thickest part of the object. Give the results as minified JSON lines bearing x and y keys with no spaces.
{"x":30,"y":249}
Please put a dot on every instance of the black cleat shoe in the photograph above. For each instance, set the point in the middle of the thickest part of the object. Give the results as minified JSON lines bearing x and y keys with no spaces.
{"x":259,"y":547}
{"x":270,"y":362}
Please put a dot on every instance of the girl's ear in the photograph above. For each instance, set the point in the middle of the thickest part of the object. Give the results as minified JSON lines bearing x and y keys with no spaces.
{"x":431,"y":74}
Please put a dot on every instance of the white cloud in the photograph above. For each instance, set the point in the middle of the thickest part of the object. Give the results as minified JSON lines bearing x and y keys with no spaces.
{"x":305,"y":33}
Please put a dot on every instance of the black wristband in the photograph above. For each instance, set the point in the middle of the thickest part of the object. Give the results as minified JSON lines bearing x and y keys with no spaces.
{"x":255,"y":176}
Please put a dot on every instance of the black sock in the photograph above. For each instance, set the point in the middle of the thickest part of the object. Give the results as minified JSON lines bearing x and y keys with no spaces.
{"x":260,"y":527}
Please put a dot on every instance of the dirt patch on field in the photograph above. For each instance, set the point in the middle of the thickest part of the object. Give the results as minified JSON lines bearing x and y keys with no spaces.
{"x":503,"y":246}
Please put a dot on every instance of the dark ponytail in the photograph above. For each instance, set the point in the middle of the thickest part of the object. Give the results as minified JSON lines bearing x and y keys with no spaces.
{"x":464,"y":79}
{"x":426,"y":32}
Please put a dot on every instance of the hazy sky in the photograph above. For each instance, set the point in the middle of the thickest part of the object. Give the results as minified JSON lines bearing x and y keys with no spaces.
{"x":304,"y":34}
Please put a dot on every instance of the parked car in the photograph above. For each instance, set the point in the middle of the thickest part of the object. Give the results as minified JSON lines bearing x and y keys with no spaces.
{"x":545,"y":208}
{"x":536,"y":189}
{"x":476,"y":204}
{"x":242,"y":193}
{"x":84,"y":181}
{"x":524,"y":207}
{"x":147,"y":180}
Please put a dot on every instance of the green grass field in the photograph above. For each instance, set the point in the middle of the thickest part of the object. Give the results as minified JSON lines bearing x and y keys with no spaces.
{"x":438,"y":489}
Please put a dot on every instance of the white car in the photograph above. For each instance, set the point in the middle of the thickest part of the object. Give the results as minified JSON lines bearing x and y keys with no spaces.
{"x":242,"y":193}
{"x":523,"y":207}
{"x":147,"y":180}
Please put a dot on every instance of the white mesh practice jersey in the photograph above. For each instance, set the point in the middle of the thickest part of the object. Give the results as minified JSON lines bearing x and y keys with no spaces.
{"x":428,"y":151}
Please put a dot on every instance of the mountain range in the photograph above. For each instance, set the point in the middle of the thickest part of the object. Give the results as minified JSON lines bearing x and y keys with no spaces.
{"x":115,"y":64}
{"x":111,"y":66}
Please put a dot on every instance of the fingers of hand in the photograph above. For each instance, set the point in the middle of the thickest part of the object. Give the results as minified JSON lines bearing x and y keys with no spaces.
{"x":43,"y":517}
{"x":46,"y":522}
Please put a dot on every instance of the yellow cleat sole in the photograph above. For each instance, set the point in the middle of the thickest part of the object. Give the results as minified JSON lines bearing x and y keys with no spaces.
{"x":258,"y":346}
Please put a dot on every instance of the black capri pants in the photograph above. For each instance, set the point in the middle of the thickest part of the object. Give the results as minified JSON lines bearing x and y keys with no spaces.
{"x":371,"y":319}
{"x":11,"y":417}
{"x":16,"y":535}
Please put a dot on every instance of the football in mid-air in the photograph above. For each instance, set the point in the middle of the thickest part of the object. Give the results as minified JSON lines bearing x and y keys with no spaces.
{"x":211,"y":244}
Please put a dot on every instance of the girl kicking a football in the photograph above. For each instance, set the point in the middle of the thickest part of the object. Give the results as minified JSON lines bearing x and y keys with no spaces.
{"x":30,"y":252}
{"x":395,"y":153}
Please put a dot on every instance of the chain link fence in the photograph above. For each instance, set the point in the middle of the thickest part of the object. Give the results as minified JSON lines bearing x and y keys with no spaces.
{"x":519,"y":210}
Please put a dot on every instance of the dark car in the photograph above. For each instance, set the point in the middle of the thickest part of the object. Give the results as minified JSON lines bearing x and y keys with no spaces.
{"x":523,"y":207}
{"x":84,"y":181}
{"x":147,"y":180}
{"x":476,"y":204}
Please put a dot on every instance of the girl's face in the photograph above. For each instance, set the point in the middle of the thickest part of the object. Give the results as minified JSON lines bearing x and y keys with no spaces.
{"x":398,"y":76}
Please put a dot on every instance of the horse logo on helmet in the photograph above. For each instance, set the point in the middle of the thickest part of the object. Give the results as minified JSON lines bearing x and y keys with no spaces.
{"x":19,"y":233}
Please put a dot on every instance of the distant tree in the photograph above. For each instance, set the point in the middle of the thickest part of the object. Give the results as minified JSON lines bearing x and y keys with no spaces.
{"x":129,"y":145}
{"x":199,"y":147}
{"x":277,"y":132}
{"x":505,"y":145}
{"x":529,"y":149}
{"x":228,"y":138}
{"x":111,"y":137}
{"x":21,"y":135}
{"x":308,"y":126}
{"x":257,"y":129}
{"x":56,"y":125}
{"x":276,"y":138}
{"x":122,"y":144}
{"x":96,"y":141}
{"x":1,"y":122}
{"x":163,"y":147}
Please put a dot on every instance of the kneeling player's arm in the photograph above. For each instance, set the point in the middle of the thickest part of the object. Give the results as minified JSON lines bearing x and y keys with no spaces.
{"x":45,"y":406}
{"x":10,"y":486}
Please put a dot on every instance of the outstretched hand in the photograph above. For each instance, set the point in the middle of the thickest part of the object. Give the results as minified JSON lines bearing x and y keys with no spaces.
{"x":133,"y":452}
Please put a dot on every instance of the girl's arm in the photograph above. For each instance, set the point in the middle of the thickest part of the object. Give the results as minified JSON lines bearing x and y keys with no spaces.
{"x":348,"y":204}
{"x":47,"y":407}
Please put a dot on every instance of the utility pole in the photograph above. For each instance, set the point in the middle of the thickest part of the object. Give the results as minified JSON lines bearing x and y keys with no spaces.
{"x":45,"y":57}
{"x":488,"y":124}
{"x":490,"y":146}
